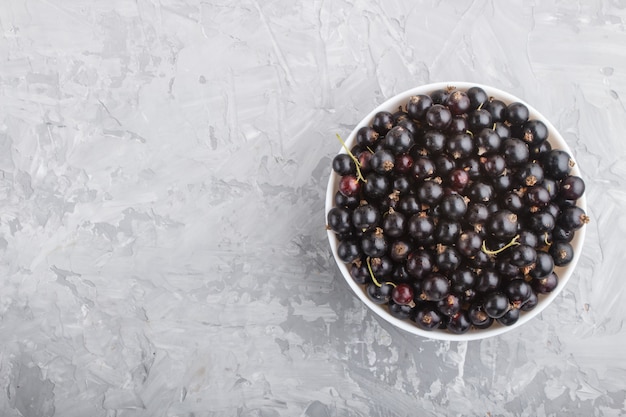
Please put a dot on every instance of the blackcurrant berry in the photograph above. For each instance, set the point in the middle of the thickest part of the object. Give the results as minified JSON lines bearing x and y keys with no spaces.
{"x":367,"y":136}
{"x":517,"y":113}
{"x":496,"y":304}
{"x":438,"y":117}
{"x":418,"y":105}
{"x":339,"y":219}
{"x":562,"y":253}
{"x":382,"y":122}
{"x":419,"y":263}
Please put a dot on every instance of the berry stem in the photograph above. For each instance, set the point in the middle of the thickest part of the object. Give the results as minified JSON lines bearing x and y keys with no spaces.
{"x":369,"y":268}
{"x":513,"y":242}
{"x":545,"y":239}
{"x":354,"y":158}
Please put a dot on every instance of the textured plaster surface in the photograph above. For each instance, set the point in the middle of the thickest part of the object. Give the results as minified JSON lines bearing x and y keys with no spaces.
{"x":163,"y":166}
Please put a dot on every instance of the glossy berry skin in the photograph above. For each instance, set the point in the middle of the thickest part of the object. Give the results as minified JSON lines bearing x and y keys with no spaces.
{"x":562,"y":253}
{"x":510,"y":317}
{"x":430,"y":192}
{"x":434,"y":142}
{"x":399,"y":250}
{"x":450,"y":305}
{"x":513,"y":202}
{"x":421,"y":227}
{"x":559,"y":233}
{"x":573,"y":218}
{"x":419,"y":263}
{"x":376,"y":186}
{"x":459,"y":178}
{"x":403,"y":164}
{"x":448,"y":259}
{"x":502,"y":225}
{"x":496,"y":304}
{"x":402,"y":294}
{"x":534,"y":132}
{"x":346,"y":201}
{"x":365,"y":217}
{"x":480,"y":192}
{"x":557,"y":164}
{"x":544,"y":264}
{"x":477,"y":96}
{"x":522,"y":255}
{"x":479,"y":119}
{"x":526,"y":237}
{"x":399,"y":140}
{"x":444,"y":165}
{"x":502,"y":129}
{"x":418,"y":105}
{"x":409,"y":205}
{"x":400,"y":311}
{"x":478,"y":317}
{"x":447,"y":231}
{"x":374,"y":244}
{"x":529,"y":174}
{"x":379,"y":295}
{"x":546,"y":284}
{"x":572,"y":188}
{"x":470,"y":165}
{"x":458,"y":124}
{"x":367,"y":136}
{"x":402,"y":184}
{"x":502,"y":183}
{"x":537,"y":196}
{"x":532,"y":301}
{"x":382,"y":122}
{"x":438,"y":117}
{"x":518,"y":291}
{"x":382,"y":161}
{"x":343,"y":164}
{"x":477,"y":214}
{"x":462,"y":279}
{"x":460,"y":145}
{"x":517,"y":113}
{"x":394,"y":224}
{"x":423,"y":168}
{"x":339,"y":220}
{"x":515,"y":151}
{"x":487,"y":141}
{"x":492,"y":164}
{"x":440,"y":96}
{"x":487,"y":280}
{"x":537,"y":151}
{"x":360,"y":273}
{"x":469,"y":243}
{"x":541,"y":222}
{"x":349,"y":185}
{"x":428,"y":318}
{"x":458,"y":102}
{"x":382,"y":267}
{"x":497,"y":109}
{"x":459,"y":323}
{"x":505,"y":269}
{"x":453,"y":206}
{"x":435,"y":287}
{"x":349,"y":250}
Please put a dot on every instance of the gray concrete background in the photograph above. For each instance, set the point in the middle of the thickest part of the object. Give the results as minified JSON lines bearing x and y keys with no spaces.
{"x":163,"y":165}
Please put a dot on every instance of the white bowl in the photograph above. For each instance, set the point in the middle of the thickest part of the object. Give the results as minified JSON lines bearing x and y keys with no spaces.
{"x":564,"y":273}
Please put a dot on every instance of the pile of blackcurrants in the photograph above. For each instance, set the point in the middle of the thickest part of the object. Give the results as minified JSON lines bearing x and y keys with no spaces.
{"x":454,"y":210}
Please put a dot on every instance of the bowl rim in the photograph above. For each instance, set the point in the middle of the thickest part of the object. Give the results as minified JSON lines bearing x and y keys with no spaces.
{"x":564,"y":273}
